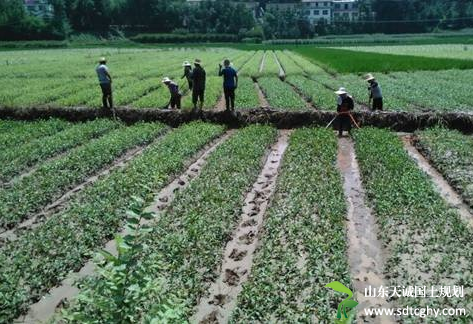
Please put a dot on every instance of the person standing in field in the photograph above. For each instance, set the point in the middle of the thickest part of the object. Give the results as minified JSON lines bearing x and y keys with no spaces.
{"x":105,"y":81}
{"x":375,"y":92}
{"x":187,"y":73}
{"x":175,"y":101}
{"x":198,"y":85}
{"x":230,"y":83}
{"x":345,"y":105}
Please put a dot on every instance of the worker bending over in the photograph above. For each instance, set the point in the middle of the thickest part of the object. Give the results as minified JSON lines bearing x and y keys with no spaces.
{"x":175,"y":101}
{"x":230,"y":83}
{"x":375,"y":92}
{"x":105,"y":81}
{"x":345,"y":106}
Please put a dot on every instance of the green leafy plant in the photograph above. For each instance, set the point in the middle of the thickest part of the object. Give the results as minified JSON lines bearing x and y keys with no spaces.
{"x":347,"y":303}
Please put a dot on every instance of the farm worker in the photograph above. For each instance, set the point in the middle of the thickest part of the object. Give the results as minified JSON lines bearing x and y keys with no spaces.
{"x":198,"y":87}
{"x":230,"y":83}
{"x":187,"y":73}
{"x":345,"y":105}
{"x":375,"y":92}
{"x":105,"y":81}
{"x":173,"y":87}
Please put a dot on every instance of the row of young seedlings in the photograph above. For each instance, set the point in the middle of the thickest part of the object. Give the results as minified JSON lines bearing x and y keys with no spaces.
{"x":42,"y":256}
{"x":53,"y":178}
{"x":19,"y":158}
{"x":429,"y":243}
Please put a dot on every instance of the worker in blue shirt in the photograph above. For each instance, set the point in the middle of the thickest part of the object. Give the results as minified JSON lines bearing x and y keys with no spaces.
{"x":230,"y":83}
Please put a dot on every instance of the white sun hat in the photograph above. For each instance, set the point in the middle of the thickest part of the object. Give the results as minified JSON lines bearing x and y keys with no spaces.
{"x":186,"y":63}
{"x":166,"y":79}
{"x":341,"y":91}
{"x":369,"y":77}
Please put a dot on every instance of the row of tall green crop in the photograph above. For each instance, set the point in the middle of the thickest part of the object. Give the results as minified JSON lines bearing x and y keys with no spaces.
{"x":451,"y":152}
{"x":41,"y":257}
{"x":429,"y":243}
{"x":17,"y":159}
{"x":303,"y":240}
{"x":52,"y":178}
{"x":185,"y":245}
{"x":18,"y":133}
{"x":280,"y":94}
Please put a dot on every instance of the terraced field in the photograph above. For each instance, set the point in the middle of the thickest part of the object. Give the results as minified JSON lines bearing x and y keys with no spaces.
{"x":224,"y":225}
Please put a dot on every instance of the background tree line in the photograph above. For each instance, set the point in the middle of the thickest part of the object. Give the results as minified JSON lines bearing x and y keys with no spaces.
{"x":225,"y":17}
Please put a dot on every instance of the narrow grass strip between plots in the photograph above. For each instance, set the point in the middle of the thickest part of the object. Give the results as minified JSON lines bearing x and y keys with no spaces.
{"x":42,"y":258}
{"x":429,"y":243}
{"x":53,"y":178}
{"x":45,"y":309}
{"x":185,"y":247}
{"x":17,"y":159}
{"x":303,"y":241}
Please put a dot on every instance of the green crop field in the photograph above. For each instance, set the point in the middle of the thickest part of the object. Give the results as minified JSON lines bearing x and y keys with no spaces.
{"x":103,"y":221}
{"x":66,"y":78}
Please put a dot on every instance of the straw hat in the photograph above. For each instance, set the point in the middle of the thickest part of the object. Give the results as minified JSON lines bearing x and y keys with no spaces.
{"x":341,"y":91}
{"x":186,"y":63}
{"x":103,"y":60}
{"x":369,"y":77}
{"x":166,"y":80}
{"x":198,"y":62}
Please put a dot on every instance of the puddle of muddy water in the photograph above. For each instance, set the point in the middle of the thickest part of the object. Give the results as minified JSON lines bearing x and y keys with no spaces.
{"x":221,"y":300}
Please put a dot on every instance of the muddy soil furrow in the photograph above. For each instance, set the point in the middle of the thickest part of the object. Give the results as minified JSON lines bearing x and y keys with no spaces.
{"x":282,"y":73}
{"x":365,"y":251}
{"x":261,"y":66}
{"x":44,"y":309}
{"x":61,"y":203}
{"x":220,"y":106}
{"x":441,"y":185}
{"x":221,"y":300}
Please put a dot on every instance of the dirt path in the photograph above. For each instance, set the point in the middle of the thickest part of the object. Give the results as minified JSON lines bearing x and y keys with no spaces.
{"x":222,"y":296}
{"x":59,"y":204}
{"x":364,"y":249}
{"x":43,"y":310}
{"x":263,"y":102}
{"x":441,"y":185}
{"x":282,"y":73}
{"x":220,"y":106}
{"x":261,"y":66}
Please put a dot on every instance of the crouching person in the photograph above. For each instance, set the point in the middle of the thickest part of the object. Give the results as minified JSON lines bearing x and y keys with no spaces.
{"x":175,"y":101}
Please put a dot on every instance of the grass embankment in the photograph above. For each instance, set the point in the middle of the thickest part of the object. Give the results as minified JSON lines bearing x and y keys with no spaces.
{"x":429,"y":243}
{"x":303,"y":242}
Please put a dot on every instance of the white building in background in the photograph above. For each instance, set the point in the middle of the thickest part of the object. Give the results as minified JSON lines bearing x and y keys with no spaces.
{"x":321,"y":10}
{"x":345,"y":10}
{"x":39,"y":8}
{"x":318,"y":10}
